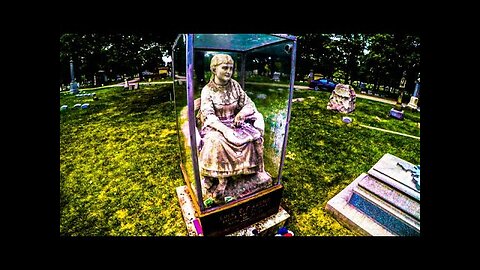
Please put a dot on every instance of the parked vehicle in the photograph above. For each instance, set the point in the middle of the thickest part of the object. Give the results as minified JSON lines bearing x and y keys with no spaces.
{"x":323,"y":83}
{"x":164,"y":72}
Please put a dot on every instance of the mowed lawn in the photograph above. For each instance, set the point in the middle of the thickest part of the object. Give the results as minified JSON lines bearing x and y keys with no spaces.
{"x":119,"y":164}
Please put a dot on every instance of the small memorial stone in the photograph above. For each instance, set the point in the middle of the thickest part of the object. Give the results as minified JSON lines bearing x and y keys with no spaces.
{"x":347,"y":120}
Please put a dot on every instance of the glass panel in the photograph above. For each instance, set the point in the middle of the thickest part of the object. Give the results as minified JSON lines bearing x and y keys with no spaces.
{"x":180,"y":95}
{"x":253,"y":166}
{"x":263,"y":75}
{"x":236,"y":42}
{"x":268,"y":84}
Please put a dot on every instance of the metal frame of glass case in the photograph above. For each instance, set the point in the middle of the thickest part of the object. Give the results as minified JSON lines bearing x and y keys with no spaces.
{"x":189,"y":78}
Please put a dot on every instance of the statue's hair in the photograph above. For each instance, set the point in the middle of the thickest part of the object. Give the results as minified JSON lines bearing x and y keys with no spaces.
{"x":219,"y":59}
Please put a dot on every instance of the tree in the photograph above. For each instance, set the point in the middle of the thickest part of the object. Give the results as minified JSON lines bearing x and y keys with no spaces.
{"x":349,"y":49}
{"x":377,"y":58}
{"x":389,"y":55}
{"x":117,"y":54}
{"x":314,"y":52}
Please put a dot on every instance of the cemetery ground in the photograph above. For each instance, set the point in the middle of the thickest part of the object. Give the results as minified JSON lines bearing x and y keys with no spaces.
{"x":119,"y":164}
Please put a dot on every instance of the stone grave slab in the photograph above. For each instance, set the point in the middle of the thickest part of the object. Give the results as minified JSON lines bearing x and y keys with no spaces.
{"x":388,"y":170}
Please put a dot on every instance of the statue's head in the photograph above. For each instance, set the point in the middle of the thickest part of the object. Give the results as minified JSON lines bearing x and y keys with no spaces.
{"x":219,"y":59}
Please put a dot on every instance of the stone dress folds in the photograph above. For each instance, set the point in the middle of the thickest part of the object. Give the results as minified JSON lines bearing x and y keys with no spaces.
{"x":219,"y":157}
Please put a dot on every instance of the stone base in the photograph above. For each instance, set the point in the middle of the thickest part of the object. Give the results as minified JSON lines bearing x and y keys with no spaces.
{"x":264,"y":227}
{"x":413,"y":103}
{"x":396,"y":114}
{"x":384,"y":202}
{"x":237,"y":187}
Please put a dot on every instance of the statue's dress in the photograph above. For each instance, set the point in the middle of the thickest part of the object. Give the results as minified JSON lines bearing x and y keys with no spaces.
{"x":219,"y":157}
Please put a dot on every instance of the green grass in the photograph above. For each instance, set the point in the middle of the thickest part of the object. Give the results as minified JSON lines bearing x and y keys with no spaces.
{"x":324,"y":155}
{"x":118,"y":165}
{"x":119,"y":161}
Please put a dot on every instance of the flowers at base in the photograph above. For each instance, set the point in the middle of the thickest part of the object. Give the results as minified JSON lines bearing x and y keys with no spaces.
{"x":208,"y":202}
{"x":229,"y":199}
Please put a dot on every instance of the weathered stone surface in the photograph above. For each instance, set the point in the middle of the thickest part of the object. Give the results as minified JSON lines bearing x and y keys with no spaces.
{"x":387,"y":169}
{"x":188,"y":212}
{"x":238,"y":186}
{"x":342,"y":99}
{"x":266,"y":226}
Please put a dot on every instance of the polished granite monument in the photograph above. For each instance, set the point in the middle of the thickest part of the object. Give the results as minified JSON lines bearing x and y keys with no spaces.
{"x":383,"y":202}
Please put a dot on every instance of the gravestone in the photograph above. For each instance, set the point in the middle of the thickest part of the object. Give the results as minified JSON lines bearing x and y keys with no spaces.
{"x":74,"y":87}
{"x":342,"y":99}
{"x":73,"y":84}
{"x":363,"y":88}
{"x":261,"y":213}
{"x":397,"y":110}
{"x":383,"y":202}
{"x":276,"y":76}
{"x":398,"y":114}
{"x":413,"y":104}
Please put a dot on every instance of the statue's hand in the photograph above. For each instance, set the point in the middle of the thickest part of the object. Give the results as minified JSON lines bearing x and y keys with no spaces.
{"x":239,"y":119}
{"x":229,"y":134}
{"x":234,"y":138}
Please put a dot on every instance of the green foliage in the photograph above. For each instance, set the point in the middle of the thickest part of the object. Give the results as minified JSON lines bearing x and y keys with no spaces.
{"x":119,"y":161}
{"x":115,"y":53}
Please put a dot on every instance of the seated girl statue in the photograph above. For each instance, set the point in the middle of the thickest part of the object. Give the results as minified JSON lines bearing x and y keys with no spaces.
{"x":231,"y":130}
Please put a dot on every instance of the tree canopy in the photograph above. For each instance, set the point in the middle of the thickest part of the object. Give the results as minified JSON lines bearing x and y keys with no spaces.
{"x":115,"y":54}
{"x":379,"y":59}
{"x":375,"y":58}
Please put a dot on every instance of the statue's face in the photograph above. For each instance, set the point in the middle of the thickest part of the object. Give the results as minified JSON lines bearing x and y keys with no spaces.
{"x":224,"y":72}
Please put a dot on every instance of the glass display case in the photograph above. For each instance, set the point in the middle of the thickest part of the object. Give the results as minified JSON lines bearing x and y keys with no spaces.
{"x":246,"y":185}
